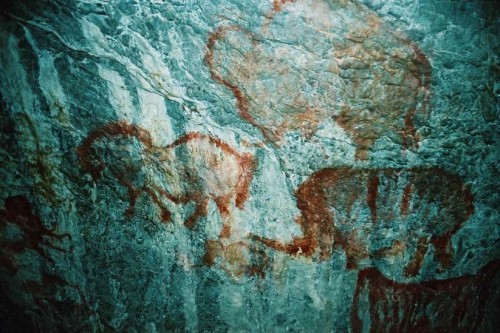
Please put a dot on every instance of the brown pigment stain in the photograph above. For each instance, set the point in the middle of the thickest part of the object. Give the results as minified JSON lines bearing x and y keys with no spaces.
{"x":222,"y":204}
{"x":165,"y":214}
{"x":324,"y":189}
{"x":225,"y":232}
{"x":278,"y":4}
{"x":451,"y":305}
{"x":371,"y":196}
{"x":422,"y":73}
{"x":213,"y":249}
{"x":405,"y":201}
{"x":199,"y":211}
{"x":299,"y":246}
{"x":18,"y":212}
{"x":248,"y":165}
{"x":122,"y":129}
{"x":414,"y":266}
{"x":241,"y":101}
{"x":397,"y":248}
{"x":50,"y":291}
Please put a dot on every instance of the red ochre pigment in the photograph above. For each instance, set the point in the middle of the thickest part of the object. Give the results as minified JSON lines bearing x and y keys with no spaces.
{"x":394,"y":115}
{"x":17,"y":211}
{"x":339,"y":189}
{"x":451,"y":305}
{"x":194,"y":191}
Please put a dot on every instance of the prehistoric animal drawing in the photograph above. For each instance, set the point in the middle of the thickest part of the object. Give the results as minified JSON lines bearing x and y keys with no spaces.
{"x":462,"y":304}
{"x":316,"y":61}
{"x":195,"y":168}
{"x":378,"y":213}
{"x":22,"y":232}
{"x":17,"y":213}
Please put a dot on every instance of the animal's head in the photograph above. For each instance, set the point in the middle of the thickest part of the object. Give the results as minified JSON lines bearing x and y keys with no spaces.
{"x":108,"y":142}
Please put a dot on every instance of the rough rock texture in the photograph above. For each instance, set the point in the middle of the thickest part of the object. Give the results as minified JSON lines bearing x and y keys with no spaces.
{"x":249,"y":166}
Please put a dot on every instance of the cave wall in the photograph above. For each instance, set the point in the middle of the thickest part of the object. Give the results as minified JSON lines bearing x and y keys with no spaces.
{"x":252,"y":166}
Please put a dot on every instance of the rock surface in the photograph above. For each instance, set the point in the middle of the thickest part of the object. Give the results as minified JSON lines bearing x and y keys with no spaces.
{"x":249,"y":166}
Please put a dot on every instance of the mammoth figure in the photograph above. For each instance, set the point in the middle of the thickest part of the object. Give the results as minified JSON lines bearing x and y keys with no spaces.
{"x":377,"y":213}
{"x":195,"y":168}
{"x":462,"y":304}
{"x":317,"y":61}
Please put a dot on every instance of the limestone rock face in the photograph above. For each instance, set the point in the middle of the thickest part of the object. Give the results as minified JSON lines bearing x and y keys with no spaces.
{"x":249,"y":166}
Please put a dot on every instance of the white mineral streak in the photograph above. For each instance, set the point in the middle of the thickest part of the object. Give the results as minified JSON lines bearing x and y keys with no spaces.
{"x":214,"y":222}
{"x":154,"y":117}
{"x":276,"y":210}
{"x":16,"y":91}
{"x":150,"y":76}
{"x":119,"y":96}
{"x":14,"y":86}
{"x":177,"y":52}
{"x":190,"y":306}
{"x":318,"y":302}
{"x":187,"y":286}
{"x":344,"y":144}
{"x":50,"y":83}
{"x":233,"y":305}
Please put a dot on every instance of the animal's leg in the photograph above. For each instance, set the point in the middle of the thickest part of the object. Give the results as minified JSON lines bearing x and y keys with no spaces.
{"x":199,"y":211}
{"x":223,"y":207}
{"x":271,"y":243}
{"x":213,"y":250}
{"x":226,"y":230}
{"x":132,"y":194}
{"x":223,"y":204}
{"x":442,"y":245}
{"x":354,"y":249}
{"x":165,"y":214}
{"x":247,"y":170}
{"x":413,"y":268}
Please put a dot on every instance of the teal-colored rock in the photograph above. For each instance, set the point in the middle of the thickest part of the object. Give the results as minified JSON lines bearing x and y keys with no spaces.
{"x":249,"y":166}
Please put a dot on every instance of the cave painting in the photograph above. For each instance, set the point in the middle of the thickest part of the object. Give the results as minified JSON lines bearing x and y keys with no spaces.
{"x":22,"y":232}
{"x":358,"y":209}
{"x":17,"y":217}
{"x":195,"y":168}
{"x":312,"y":62}
{"x":452,"y":305}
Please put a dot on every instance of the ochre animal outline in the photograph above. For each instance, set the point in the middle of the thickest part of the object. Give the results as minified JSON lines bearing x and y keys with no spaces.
{"x":125,"y":129}
{"x":35,"y":236}
{"x":321,"y":234}
{"x":450,"y":305}
{"x":349,"y":118}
